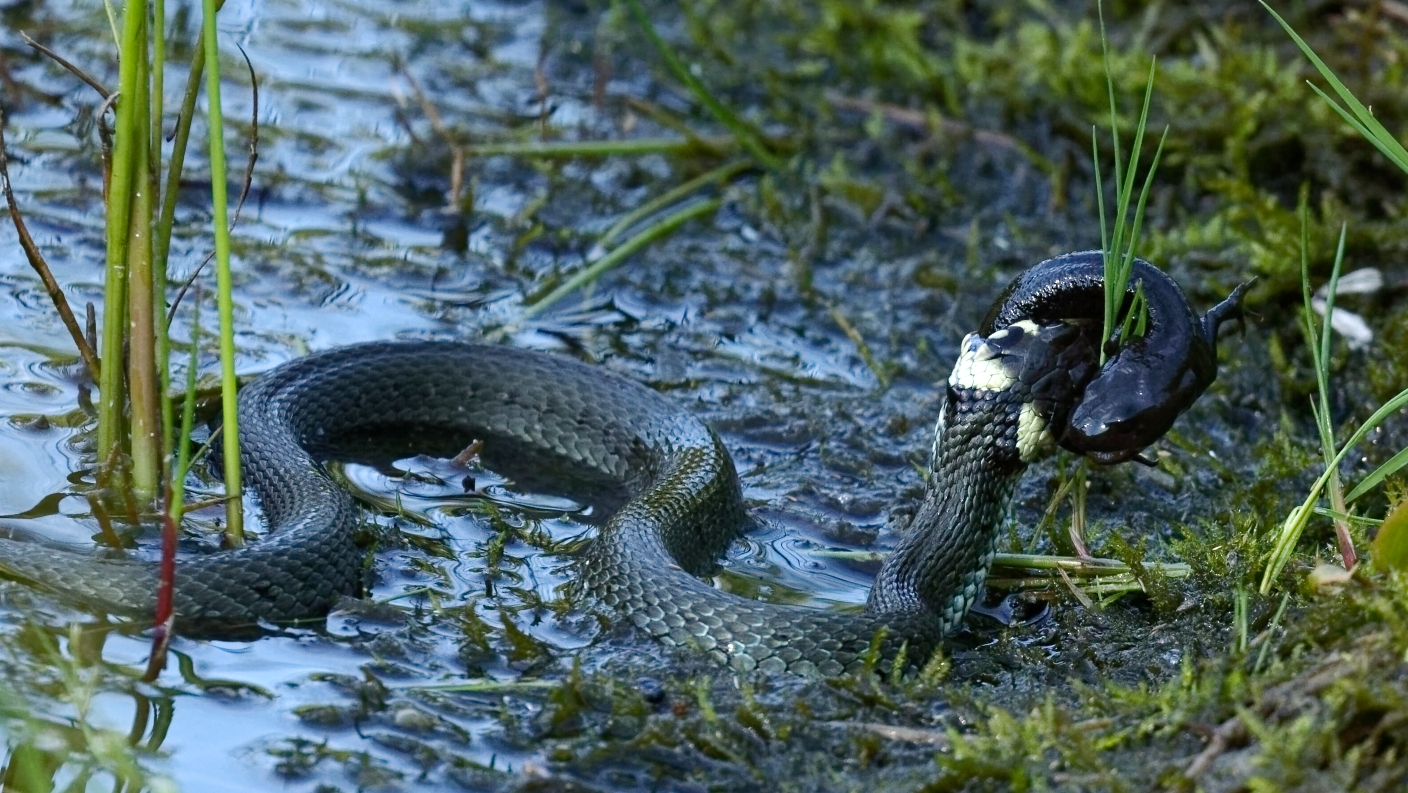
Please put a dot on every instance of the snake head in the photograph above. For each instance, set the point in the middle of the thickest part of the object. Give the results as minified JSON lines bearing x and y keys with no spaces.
{"x":1026,"y":376}
{"x":1133,"y":399}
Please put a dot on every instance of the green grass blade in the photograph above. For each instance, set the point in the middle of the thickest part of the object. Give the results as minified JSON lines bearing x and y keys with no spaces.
{"x":1110,"y":89}
{"x":163,"y":342}
{"x":1127,"y":189}
{"x":1119,"y":257}
{"x":112,"y":22}
{"x":719,"y":175}
{"x":1270,"y":632}
{"x":1122,"y":234}
{"x":620,"y":254}
{"x":1367,"y":125}
{"x":1099,"y":191}
{"x":1393,"y":466}
{"x":177,"y":503}
{"x":161,"y":240}
{"x":1320,"y":351}
{"x":1127,"y":268}
{"x":1295,"y":523}
{"x":1330,"y":291}
{"x":1303,"y":209}
{"x":157,"y":34}
{"x":144,"y":394}
{"x":747,"y":138}
{"x":1320,"y":409}
{"x":1383,"y":142}
{"x":1142,"y":326}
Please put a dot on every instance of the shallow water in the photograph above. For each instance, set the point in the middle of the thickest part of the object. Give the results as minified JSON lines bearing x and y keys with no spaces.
{"x":346,"y":238}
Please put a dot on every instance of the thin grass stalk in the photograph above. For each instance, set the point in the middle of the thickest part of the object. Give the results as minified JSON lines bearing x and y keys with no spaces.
{"x":1270,"y":632}
{"x":1110,"y":90}
{"x":1099,"y":198}
{"x":1106,"y":255}
{"x":1295,"y":523}
{"x":1127,"y":267}
{"x":747,"y":137}
{"x":718,"y":175}
{"x":1357,"y":116}
{"x":1240,"y":620}
{"x":176,"y":504}
{"x":234,"y":490}
{"x":1322,"y":375}
{"x":1126,"y":185}
{"x":1119,"y":245}
{"x":1119,"y":258}
{"x":1076,"y":530}
{"x":588,"y":274}
{"x":157,"y":33}
{"x":1137,"y":224}
{"x":145,"y":394}
{"x":602,"y":148}
{"x":1319,"y":347}
{"x":862,"y":347}
{"x":1372,"y":480}
{"x":167,"y":220}
{"x":1134,"y":308}
{"x":112,"y":22}
{"x":119,"y":211}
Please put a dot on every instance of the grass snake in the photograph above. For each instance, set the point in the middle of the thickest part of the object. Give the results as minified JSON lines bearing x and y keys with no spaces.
{"x":1029,"y":378}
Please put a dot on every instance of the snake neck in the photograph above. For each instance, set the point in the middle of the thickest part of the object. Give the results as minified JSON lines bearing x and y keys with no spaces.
{"x":1005,"y":393}
{"x":942,"y":562}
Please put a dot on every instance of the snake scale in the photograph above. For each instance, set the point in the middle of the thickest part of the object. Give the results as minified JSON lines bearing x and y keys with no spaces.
{"x":1026,"y":381}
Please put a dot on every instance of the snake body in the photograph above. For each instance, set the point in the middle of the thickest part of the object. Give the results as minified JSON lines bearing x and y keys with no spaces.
{"x":1011,"y":393}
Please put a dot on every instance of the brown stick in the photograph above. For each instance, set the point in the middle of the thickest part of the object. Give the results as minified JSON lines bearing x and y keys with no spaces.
{"x":1230,"y":731}
{"x":36,"y":260}
{"x":253,"y":140}
{"x":90,"y":326}
{"x":437,"y":123}
{"x":74,"y":70}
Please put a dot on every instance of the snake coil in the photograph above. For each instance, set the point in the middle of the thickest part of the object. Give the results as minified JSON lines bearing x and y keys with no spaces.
{"x":1030,"y":378}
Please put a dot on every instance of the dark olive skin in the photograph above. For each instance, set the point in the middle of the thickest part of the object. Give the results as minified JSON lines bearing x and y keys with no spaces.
{"x":1145,"y":384}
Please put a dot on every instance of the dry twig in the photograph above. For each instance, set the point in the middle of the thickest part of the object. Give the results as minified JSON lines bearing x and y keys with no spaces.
{"x":91,"y":81}
{"x":36,"y":260}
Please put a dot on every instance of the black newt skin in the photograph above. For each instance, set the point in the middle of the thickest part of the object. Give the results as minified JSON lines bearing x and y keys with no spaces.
{"x":1139,"y":392}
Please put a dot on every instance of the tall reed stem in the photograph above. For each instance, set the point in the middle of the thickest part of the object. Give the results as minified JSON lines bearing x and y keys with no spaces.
{"x":163,"y":346}
{"x":119,"y":215}
{"x":145,"y":394}
{"x":234,"y":515}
